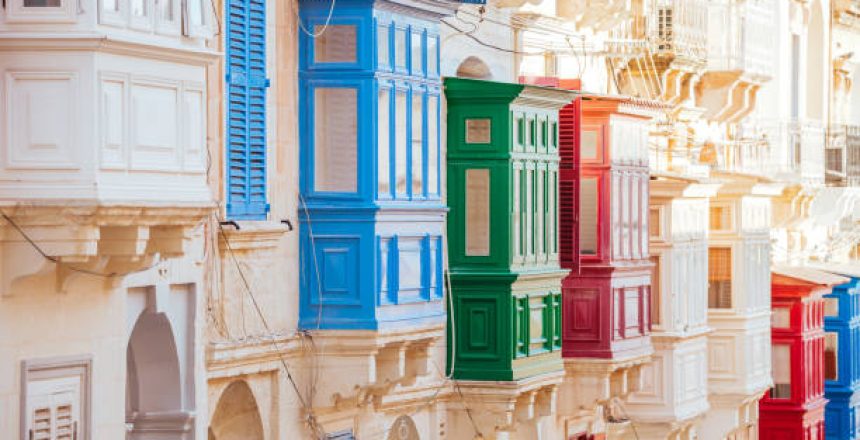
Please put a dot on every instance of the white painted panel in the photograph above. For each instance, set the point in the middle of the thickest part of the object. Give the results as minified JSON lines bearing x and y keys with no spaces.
{"x":195,"y":130}
{"x":40,"y":120}
{"x":154,"y":126}
{"x":113,"y":111}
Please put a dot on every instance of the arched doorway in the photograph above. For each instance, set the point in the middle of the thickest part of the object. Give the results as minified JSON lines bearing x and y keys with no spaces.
{"x":816,"y":67}
{"x":474,"y":67}
{"x":236,"y":417}
{"x":153,"y":383}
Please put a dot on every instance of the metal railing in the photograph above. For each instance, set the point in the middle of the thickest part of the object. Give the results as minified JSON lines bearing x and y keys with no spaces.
{"x":842,"y":155}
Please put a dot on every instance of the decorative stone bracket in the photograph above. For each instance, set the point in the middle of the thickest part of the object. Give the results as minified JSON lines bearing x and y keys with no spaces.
{"x":591,"y":382}
{"x":78,"y":241}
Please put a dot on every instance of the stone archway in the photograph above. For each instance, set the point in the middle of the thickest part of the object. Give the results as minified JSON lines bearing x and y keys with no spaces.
{"x":236,"y":417}
{"x":154,"y":408}
{"x":474,"y":67}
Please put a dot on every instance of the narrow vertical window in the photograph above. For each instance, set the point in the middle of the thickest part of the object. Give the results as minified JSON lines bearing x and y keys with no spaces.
{"x":432,"y":55}
{"x":719,"y":278}
{"x":515,"y":212}
{"x":417,"y":143}
{"x":831,"y":356}
{"x":55,"y":399}
{"x":540,"y":215}
{"x":477,"y":212}
{"x":165,"y":10}
{"x":781,"y":372}
{"x":383,"y":144}
{"x":382,"y":45}
{"x":417,"y":53}
{"x":336,"y":139}
{"x":552,"y":212}
{"x":433,"y":144}
{"x":588,"y":216}
{"x":400,"y":139}
{"x":655,"y":291}
{"x":245,"y":64}
{"x":400,"y":48}
{"x":109,"y":5}
{"x":138,"y":8}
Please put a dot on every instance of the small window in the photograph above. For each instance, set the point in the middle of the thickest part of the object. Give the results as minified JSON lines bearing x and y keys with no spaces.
{"x":165,"y":10}
{"x":831,"y":306}
{"x":521,"y":131}
{"x":433,"y":144}
{"x":781,"y":317}
{"x":543,"y":134}
{"x":720,"y":278}
{"x":532,"y":132}
{"x":477,"y":212}
{"x":588,"y":144}
{"x":336,"y":139}
{"x":197,"y":20}
{"x":139,"y":8}
{"x":400,"y":48}
{"x":654,"y":223}
{"x":831,"y":356}
{"x":400,"y":139}
{"x":478,"y":131}
{"x":55,"y":399}
{"x":110,"y":5}
{"x":42,"y":3}
{"x":588,"y":216}
{"x":721,"y":218}
{"x":40,"y":11}
{"x":781,"y":363}
{"x":432,"y":55}
{"x":336,"y":45}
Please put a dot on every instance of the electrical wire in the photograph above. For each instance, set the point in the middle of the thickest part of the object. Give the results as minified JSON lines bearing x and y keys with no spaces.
{"x":314,"y":35}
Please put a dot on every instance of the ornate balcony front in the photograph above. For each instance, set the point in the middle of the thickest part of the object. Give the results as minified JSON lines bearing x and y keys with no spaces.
{"x":842,"y":156}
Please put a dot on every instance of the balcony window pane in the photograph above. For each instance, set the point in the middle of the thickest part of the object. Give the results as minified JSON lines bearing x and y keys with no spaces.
{"x":655,"y":291}
{"x":382,"y":51}
{"x":588,"y":216}
{"x":831,"y":306}
{"x":552,"y":212}
{"x":478,"y":131}
{"x":400,"y":48}
{"x":336,"y":45}
{"x":417,"y":53}
{"x":335,"y":139}
{"x":515,"y":212}
{"x":165,"y":10}
{"x":781,"y":317}
{"x":400,"y":139}
{"x":138,"y":8}
{"x":720,"y":278}
{"x":781,"y":372}
{"x":110,"y":5}
{"x":433,"y":144}
{"x":477,"y":212}
{"x":540,"y":216}
{"x":196,"y":12}
{"x":588,"y":144}
{"x":384,"y":146}
{"x":417,"y":142}
{"x":432,"y":55}
{"x":831,"y":356}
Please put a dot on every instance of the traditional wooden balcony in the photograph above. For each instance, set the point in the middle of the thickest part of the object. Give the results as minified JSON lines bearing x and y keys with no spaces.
{"x":790,"y":151}
{"x":842,"y":155}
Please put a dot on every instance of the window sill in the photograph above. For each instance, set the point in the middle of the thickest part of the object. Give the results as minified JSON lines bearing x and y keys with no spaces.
{"x":252,"y":235}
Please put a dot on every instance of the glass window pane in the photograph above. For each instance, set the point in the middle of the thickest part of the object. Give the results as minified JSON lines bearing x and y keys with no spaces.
{"x":110,"y":5}
{"x":433,"y":144}
{"x":384,"y":146}
{"x":477,"y":212}
{"x":831,"y":356}
{"x":515,"y":213}
{"x":400,"y":48}
{"x":196,"y":12}
{"x":588,"y":144}
{"x":530,"y":212}
{"x":720,"y":278}
{"x":831,"y":306}
{"x":432,"y":55}
{"x":417,"y":53}
{"x":781,"y":317}
{"x":539,"y":212}
{"x":400,"y":139}
{"x":335,"y":139}
{"x":655,"y":291}
{"x":165,"y":9}
{"x":42,"y":3}
{"x":552,"y":212}
{"x":382,"y":43}
{"x":336,"y":45}
{"x":588,"y":216}
{"x":478,"y":131}
{"x":417,"y":143}
{"x":781,"y":372}
{"x":138,"y":8}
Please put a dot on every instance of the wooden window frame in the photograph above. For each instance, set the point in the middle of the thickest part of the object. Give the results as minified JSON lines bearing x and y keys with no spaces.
{"x":57,"y":367}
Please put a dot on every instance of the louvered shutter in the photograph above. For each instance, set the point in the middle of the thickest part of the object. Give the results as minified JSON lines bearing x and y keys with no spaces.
{"x":52,"y":413}
{"x":569,"y":179}
{"x":246,"y":109}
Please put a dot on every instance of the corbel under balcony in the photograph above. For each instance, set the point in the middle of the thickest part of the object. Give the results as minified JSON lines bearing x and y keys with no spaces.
{"x":598,"y":382}
{"x":107,"y":242}
{"x":362,"y":368}
{"x":512,"y":406}
{"x":727,"y":96}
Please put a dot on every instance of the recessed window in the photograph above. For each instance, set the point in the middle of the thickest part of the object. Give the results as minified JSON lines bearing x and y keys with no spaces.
{"x":720,"y":278}
{"x":165,"y":9}
{"x":654,"y":222}
{"x":655,"y":291}
{"x":110,"y":5}
{"x":55,"y":399}
{"x":336,"y":139}
{"x":781,"y":363}
{"x":432,"y":54}
{"x":477,"y":212}
{"x":400,"y":139}
{"x":417,"y":53}
{"x":382,"y":42}
{"x":781,"y":317}
{"x":831,"y":356}
{"x":138,"y":8}
{"x":478,"y":131}
{"x":588,"y":144}
{"x":721,"y":218}
{"x":433,"y":144}
{"x":400,"y":48}
{"x":588,"y":216}
{"x":336,"y":45}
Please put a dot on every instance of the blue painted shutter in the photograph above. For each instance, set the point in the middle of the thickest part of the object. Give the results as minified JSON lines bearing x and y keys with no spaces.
{"x":246,"y":109}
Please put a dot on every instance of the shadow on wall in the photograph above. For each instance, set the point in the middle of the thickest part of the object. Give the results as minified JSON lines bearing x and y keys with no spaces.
{"x":236,"y":417}
{"x":475,"y":68}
